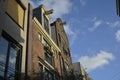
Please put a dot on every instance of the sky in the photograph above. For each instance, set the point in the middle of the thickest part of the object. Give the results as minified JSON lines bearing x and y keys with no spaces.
{"x":93,"y":30}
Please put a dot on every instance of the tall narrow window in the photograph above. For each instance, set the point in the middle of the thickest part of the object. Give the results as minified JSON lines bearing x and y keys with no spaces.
{"x":40,"y":72}
{"x":39,"y":37}
{"x":9,"y":59}
{"x":66,"y":66}
{"x":3,"y":55}
{"x":53,"y":33}
{"x":46,"y":24}
{"x":13,"y":62}
{"x":48,"y":57}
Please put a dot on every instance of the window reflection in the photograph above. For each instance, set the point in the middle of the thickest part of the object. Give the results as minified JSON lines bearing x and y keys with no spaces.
{"x":48,"y":75}
{"x":3,"y":53}
{"x":40,"y":72}
{"x":46,"y":24}
{"x":12,"y":61}
{"x":9,"y":59}
{"x":48,"y":57}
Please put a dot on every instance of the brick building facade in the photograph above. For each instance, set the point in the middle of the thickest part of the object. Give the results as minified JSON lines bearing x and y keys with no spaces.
{"x":28,"y":50}
{"x":51,"y":59}
{"x":60,"y":38}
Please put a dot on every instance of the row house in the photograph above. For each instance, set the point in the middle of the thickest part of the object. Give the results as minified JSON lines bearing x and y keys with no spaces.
{"x":49,"y":56}
{"x":60,"y":38}
{"x":43,"y":53}
{"x":31,"y":47}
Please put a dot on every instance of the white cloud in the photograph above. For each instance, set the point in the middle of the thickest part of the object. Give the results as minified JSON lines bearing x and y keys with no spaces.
{"x":82,"y":2}
{"x":96,"y":61}
{"x":96,"y":24}
{"x":114,"y":24}
{"x":71,"y":33}
{"x":68,"y":30}
{"x":117,"y":34}
{"x":60,"y":7}
{"x":32,"y":3}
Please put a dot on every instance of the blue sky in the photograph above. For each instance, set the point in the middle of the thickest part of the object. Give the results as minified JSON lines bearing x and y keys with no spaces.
{"x":93,"y":30}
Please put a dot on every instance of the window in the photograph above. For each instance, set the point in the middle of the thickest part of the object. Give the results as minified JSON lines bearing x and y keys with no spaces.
{"x":39,"y":37}
{"x":46,"y":24}
{"x":48,"y":75}
{"x":46,"y":43}
{"x":53,"y":34}
{"x":9,"y":59}
{"x":66,"y":66}
{"x":16,"y":11}
{"x":48,"y":57}
{"x":55,"y":53}
{"x":59,"y":38}
{"x":3,"y":55}
{"x":61,"y":63}
{"x":40,"y":72}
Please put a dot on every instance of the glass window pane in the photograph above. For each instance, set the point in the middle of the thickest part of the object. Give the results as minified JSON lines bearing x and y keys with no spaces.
{"x":46,"y":26}
{"x":48,"y":57}
{"x":3,"y":54}
{"x":40,"y":72}
{"x":12,"y":61}
{"x":48,"y":75}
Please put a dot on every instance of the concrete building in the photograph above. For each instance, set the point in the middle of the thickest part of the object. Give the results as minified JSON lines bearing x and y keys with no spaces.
{"x":13,"y":39}
{"x":80,"y":73}
{"x":60,"y":38}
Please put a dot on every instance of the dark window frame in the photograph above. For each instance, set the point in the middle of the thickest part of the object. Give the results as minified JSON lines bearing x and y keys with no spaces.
{"x":46,"y":24}
{"x":40,"y":77}
{"x":12,"y":42}
{"x":49,"y":57}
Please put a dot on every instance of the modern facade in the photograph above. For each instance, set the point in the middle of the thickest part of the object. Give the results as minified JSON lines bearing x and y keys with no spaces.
{"x":13,"y":39}
{"x":80,"y":73}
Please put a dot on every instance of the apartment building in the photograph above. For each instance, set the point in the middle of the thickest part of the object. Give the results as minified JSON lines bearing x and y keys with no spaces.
{"x":27,"y":48}
{"x":48,"y":60}
{"x":13,"y":39}
{"x":60,"y":38}
{"x":43,"y":54}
